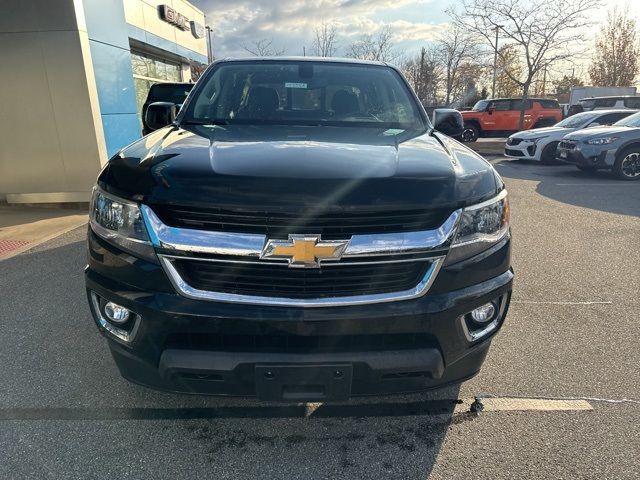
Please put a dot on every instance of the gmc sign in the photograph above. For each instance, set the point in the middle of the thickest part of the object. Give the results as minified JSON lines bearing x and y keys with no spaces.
{"x":169,"y":15}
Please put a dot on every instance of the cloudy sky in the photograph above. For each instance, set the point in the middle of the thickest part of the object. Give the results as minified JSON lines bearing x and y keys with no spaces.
{"x":290,"y":23}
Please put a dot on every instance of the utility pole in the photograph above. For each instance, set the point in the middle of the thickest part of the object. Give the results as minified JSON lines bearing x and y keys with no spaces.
{"x":209,"y":47}
{"x":495,"y":61}
{"x":544,"y":81}
{"x":304,"y":51}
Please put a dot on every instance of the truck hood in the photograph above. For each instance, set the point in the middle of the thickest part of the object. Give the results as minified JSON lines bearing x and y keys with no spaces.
{"x":297,"y":167}
{"x":596,"y":132}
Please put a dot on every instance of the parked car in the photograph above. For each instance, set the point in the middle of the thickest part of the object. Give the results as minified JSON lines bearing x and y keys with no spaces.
{"x":501,"y":117}
{"x":540,"y":143}
{"x":578,"y":93}
{"x":300,"y":232}
{"x":603,"y":103}
{"x":615,"y":148}
{"x":175,"y":93}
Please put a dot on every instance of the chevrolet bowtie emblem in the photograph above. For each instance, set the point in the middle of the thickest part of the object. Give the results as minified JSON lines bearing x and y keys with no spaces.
{"x":304,"y":250}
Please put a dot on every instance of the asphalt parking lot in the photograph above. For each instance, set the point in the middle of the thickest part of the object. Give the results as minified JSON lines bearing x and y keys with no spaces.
{"x":571,"y":333}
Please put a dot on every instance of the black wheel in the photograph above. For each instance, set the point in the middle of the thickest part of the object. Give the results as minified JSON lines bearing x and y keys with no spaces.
{"x":470,"y":134}
{"x":627,"y":166}
{"x":548,"y":155}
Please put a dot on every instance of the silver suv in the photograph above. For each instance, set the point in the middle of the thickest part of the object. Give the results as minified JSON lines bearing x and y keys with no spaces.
{"x":616,"y":148}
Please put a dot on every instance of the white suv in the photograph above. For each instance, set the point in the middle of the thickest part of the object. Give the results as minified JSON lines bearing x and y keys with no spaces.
{"x":540,"y":143}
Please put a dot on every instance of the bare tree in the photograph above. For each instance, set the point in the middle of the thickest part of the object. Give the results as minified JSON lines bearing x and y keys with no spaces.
{"x":262,"y":48}
{"x":324,"y":41}
{"x":466,"y":86}
{"x":616,"y":53}
{"x":378,"y":47}
{"x":540,"y":31}
{"x":456,"y":48}
{"x":508,"y":66}
{"x":424,"y":74}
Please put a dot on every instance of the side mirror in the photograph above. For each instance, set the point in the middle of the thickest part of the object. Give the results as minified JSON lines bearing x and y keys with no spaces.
{"x":448,"y":121}
{"x":491,"y":110}
{"x":160,"y":114}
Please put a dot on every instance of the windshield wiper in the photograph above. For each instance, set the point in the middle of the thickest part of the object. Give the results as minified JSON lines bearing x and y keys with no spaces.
{"x":204,"y":122}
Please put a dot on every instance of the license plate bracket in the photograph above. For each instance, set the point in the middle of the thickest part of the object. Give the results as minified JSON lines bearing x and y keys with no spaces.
{"x":282,"y":382}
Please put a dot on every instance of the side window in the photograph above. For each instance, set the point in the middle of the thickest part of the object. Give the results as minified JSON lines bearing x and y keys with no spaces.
{"x":606,"y":102}
{"x":549,"y":104}
{"x":632,"y":102}
{"x":502,"y":105}
{"x":610,"y":118}
{"x":517,"y":105}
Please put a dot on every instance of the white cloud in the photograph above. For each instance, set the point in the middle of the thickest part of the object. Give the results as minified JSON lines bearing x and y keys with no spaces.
{"x":290,"y":23}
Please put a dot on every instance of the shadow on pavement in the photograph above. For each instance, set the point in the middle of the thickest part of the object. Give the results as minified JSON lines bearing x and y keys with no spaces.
{"x":566,"y":184}
{"x":73,"y":381}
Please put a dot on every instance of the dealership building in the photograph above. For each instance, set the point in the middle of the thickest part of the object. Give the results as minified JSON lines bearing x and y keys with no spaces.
{"x":74,"y":76}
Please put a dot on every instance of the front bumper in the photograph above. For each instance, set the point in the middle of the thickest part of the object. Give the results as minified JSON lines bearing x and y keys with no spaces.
{"x":588,"y":156}
{"x":524,"y":149}
{"x":197,"y":346}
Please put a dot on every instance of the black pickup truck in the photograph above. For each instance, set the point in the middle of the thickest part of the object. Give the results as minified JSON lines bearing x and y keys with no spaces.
{"x":300,"y":232}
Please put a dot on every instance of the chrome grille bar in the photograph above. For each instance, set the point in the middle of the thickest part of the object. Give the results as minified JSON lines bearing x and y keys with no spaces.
{"x":190,"y":292}
{"x":181,"y":243}
{"x":250,"y":245}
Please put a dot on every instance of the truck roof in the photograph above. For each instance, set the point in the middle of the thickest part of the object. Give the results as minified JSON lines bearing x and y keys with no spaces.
{"x":610,"y":96}
{"x":302,"y":59}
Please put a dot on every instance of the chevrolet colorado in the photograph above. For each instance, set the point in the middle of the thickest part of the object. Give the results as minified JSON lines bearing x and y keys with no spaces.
{"x":300,"y":231}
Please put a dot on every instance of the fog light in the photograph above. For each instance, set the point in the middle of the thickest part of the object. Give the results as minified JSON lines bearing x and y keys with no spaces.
{"x":484,"y":313}
{"x":116,"y":313}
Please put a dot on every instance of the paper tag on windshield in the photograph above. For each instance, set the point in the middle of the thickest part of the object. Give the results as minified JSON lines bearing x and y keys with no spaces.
{"x":295,"y":85}
{"x":393,"y":131}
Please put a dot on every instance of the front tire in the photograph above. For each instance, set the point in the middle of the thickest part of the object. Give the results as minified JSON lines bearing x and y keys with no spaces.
{"x":470,"y":134}
{"x":548,"y":155}
{"x":627,"y":166}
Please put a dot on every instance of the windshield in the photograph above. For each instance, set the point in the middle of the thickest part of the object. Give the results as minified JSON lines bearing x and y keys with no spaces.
{"x":481,"y":106}
{"x":577,"y":120}
{"x":303,"y":93}
{"x":632,"y":121}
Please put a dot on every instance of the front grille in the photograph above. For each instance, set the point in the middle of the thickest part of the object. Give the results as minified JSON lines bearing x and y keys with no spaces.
{"x":568,"y":144}
{"x":287,"y":343}
{"x":278,"y":280}
{"x":334,"y":224}
{"x":514,"y":153}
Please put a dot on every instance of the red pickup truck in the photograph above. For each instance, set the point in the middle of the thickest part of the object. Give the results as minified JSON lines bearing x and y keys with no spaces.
{"x":501,"y":117}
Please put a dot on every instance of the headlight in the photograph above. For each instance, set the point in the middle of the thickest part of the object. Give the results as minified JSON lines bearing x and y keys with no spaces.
{"x":120,"y":222}
{"x":601,"y":141}
{"x":480,"y":226}
{"x":535,"y":139}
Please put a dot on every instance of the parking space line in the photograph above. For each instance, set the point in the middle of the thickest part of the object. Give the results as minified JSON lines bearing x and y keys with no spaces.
{"x":436,"y":408}
{"x":513,"y":404}
{"x":619,"y":184}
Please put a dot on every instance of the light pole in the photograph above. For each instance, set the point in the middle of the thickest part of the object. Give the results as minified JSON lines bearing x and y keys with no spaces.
{"x":209,"y":49}
{"x":495,"y":61}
